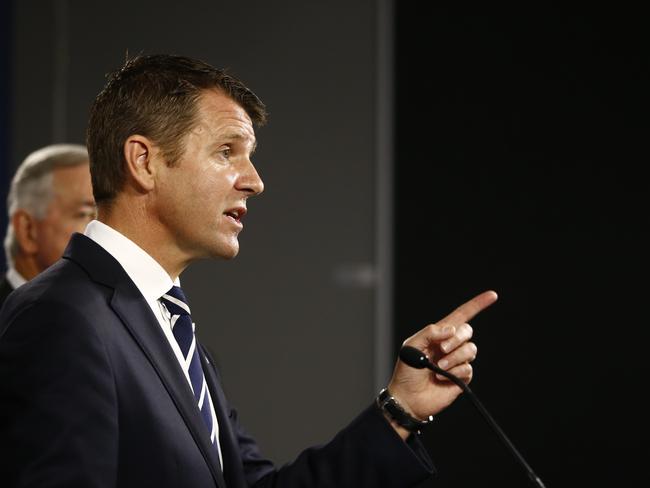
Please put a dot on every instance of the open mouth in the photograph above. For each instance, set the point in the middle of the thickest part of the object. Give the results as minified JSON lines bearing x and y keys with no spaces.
{"x":236,"y":213}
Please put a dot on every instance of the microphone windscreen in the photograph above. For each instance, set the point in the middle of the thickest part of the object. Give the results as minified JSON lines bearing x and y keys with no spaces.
{"x":413,"y":357}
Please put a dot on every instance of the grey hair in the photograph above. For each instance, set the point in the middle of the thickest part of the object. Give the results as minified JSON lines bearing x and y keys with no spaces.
{"x":32,"y":185}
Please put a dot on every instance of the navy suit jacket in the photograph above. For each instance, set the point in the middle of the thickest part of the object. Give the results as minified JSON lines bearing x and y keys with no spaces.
{"x":91,"y":395}
{"x":5,"y":289}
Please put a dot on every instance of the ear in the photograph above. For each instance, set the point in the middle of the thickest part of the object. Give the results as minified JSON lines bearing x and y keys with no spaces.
{"x":139,"y":153}
{"x":25,"y":231}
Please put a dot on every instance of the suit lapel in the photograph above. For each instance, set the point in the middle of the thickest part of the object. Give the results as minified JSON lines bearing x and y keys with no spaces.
{"x":138,"y":318}
{"x":134,"y":312}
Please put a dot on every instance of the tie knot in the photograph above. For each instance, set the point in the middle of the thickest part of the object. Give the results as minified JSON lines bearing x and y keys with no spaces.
{"x":175,"y":301}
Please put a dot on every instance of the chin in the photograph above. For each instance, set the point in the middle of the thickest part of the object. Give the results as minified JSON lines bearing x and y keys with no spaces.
{"x":227,"y":252}
{"x":231,"y":255}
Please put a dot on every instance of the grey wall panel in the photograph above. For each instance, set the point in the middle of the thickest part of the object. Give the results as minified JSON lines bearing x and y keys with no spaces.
{"x":293,"y":301}
{"x":32,"y":77}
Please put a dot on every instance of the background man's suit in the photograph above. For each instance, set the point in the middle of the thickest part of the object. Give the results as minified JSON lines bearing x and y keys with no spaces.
{"x":92,"y":395}
{"x":5,"y":289}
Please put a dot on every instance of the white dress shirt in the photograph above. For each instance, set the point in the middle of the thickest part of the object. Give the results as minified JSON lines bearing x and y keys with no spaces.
{"x":152,"y":281}
{"x":14,"y":278}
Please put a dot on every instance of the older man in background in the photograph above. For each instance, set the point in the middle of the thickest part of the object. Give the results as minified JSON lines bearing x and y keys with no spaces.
{"x":49,"y":199}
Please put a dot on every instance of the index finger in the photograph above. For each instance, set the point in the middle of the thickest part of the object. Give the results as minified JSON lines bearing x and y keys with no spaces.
{"x":471,"y":308}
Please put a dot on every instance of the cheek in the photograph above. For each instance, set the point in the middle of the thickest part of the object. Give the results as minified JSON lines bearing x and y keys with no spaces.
{"x":52,"y":240}
{"x":78,"y":225}
{"x":211,"y":194}
{"x":62,"y":234}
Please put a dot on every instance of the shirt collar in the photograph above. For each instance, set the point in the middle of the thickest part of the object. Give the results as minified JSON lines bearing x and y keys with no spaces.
{"x":14,"y":278}
{"x":147,"y":274}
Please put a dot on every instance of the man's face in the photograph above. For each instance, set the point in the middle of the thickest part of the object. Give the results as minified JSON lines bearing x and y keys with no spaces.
{"x":71,"y":208}
{"x":201,"y":200}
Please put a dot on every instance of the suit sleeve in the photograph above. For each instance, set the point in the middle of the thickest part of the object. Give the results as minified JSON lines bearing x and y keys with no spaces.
{"x":58,"y":426}
{"x":367,"y":453}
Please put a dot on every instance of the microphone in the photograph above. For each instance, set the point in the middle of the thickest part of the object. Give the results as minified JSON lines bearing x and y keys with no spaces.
{"x":417,"y":359}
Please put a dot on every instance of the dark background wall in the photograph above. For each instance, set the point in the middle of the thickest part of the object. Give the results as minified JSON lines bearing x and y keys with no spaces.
{"x":521,"y":153}
{"x":5,"y":97}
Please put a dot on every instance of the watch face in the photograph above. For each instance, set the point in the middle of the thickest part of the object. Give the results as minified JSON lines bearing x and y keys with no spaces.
{"x":395,"y":411}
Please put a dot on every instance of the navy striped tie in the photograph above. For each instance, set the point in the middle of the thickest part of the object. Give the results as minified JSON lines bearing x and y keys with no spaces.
{"x":183,"y":330}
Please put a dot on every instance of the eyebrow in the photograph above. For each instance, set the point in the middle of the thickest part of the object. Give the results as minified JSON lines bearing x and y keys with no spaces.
{"x":237,"y":136}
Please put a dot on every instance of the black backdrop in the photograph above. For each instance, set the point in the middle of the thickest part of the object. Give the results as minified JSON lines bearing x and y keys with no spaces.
{"x":520,"y":147}
{"x":5,"y":97}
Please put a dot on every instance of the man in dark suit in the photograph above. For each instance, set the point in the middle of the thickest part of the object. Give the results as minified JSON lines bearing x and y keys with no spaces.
{"x":50,"y":198}
{"x":102,"y":382}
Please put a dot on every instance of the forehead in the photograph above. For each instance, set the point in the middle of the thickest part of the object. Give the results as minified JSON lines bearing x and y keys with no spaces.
{"x":72,"y":183}
{"x":221,"y":116}
{"x":75,"y":175}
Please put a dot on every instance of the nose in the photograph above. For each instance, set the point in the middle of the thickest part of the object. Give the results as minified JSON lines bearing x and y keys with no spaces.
{"x":249,"y":180}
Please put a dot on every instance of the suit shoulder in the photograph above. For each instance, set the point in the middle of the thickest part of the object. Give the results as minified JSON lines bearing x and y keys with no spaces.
{"x":62,"y":290}
{"x":5,"y":290}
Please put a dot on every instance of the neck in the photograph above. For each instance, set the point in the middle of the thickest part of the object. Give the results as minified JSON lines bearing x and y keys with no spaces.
{"x":132,"y":220}
{"x":26,"y":266}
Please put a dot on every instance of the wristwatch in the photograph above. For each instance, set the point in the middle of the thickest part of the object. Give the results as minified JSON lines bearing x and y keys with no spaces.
{"x":387,"y":403}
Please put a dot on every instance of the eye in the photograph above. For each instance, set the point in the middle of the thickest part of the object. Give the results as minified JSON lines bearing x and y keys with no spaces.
{"x":225,"y":152}
{"x":86,"y":214}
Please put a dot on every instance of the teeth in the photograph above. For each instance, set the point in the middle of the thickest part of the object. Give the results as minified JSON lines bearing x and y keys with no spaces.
{"x":235,"y":214}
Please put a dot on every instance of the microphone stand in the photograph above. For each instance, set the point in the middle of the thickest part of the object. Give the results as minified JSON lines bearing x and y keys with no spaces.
{"x":416,"y":359}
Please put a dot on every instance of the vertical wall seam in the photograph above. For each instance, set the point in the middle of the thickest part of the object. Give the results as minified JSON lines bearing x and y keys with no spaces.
{"x":61,"y":63}
{"x":383,"y":336}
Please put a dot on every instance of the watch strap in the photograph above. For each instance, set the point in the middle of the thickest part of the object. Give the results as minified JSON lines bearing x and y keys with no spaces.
{"x":387,"y":403}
